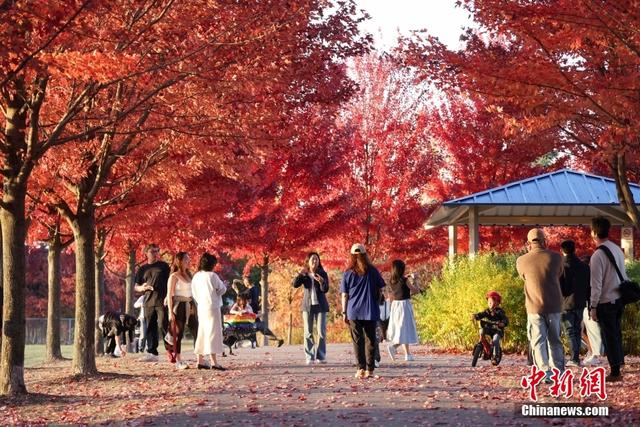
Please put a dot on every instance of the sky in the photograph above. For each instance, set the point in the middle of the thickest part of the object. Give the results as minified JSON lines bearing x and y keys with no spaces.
{"x":440,"y":17}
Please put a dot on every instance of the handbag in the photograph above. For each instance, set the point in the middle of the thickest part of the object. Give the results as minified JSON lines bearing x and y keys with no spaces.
{"x":629,"y":290}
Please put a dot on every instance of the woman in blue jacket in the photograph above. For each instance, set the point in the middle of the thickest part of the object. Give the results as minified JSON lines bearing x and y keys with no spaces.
{"x":315,"y":283}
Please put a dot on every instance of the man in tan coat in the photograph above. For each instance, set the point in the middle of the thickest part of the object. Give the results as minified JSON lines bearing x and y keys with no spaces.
{"x":541,"y":269}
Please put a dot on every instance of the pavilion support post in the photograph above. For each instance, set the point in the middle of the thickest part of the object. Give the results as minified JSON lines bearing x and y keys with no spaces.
{"x":626,"y":241}
{"x":453,"y":241}
{"x":474,"y":235}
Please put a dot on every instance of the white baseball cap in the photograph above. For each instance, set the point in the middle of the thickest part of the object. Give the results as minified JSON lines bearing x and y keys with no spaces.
{"x":358,"y":248}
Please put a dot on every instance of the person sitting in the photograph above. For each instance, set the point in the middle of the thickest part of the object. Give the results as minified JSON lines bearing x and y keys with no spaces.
{"x":242,"y":307}
{"x":114,"y":326}
{"x":493,"y":319}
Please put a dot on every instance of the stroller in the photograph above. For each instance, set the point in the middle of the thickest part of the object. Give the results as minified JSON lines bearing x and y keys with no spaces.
{"x":237,"y":328}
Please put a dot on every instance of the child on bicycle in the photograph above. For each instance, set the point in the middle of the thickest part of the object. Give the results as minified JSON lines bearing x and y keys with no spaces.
{"x":493,"y":320}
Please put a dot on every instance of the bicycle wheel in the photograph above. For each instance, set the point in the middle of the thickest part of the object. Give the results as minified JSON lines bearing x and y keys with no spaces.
{"x":477,"y":351}
{"x":497,"y":356}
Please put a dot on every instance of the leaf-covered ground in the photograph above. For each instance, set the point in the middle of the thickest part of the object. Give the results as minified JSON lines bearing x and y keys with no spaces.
{"x":269,"y":386}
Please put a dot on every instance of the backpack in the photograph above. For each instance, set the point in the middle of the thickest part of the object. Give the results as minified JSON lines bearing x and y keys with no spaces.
{"x":629,"y":290}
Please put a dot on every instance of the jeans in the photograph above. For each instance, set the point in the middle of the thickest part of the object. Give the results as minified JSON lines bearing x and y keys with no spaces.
{"x":363,"y":335}
{"x":610,"y":318}
{"x":593,"y":333}
{"x":155,"y":319}
{"x":572,"y":323}
{"x":142,"y":340}
{"x":311,"y":319}
{"x":543,"y":331}
{"x":495,"y":337}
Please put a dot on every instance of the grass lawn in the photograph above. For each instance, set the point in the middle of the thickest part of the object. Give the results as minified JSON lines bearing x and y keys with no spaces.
{"x":34,"y":354}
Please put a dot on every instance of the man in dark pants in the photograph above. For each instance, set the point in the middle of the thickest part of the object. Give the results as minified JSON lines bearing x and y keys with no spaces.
{"x":152,"y":279}
{"x":606,"y":307}
{"x":574,"y":284}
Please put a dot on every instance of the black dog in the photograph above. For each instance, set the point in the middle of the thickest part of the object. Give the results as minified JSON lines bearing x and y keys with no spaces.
{"x":231,"y":335}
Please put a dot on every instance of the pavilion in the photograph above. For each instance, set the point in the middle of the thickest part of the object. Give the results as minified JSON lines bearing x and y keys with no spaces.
{"x":564,"y":197}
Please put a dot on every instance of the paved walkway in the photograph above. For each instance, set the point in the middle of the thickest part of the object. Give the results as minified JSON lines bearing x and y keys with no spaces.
{"x":270,"y":386}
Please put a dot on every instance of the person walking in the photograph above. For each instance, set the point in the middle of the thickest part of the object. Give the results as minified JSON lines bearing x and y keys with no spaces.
{"x":315,"y":307}
{"x":607,"y":272}
{"x":592,"y":333}
{"x":181,"y":309}
{"x":151,"y":279}
{"x":541,"y":269}
{"x":574,"y":284}
{"x":360,"y":287}
{"x":207,"y":290}
{"x":402,"y":324}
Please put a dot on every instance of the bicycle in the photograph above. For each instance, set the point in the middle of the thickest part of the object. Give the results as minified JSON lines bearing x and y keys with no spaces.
{"x":485,"y":347}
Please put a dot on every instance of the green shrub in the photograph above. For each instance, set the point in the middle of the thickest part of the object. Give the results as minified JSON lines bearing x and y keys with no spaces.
{"x":631,"y":317}
{"x":443,"y":313}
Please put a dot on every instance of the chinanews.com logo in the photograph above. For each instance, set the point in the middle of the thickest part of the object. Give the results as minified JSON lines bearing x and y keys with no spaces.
{"x":591,"y":383}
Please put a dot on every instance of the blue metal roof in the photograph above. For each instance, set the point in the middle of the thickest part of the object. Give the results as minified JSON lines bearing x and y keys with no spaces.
{"x":563,"y":187}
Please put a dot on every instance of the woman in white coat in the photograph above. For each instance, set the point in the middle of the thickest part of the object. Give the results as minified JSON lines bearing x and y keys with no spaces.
{"x":207,"y":290}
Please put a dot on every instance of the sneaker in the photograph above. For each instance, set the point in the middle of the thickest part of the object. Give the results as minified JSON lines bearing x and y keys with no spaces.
{"x":409,"y":358}
{"x":201,"y":366}
{"x":392,"y":351}
{"x":368,"y":374}
{"x":171,"y":357}
{"x":547,"y":378}
{"x":148,"y":357}
{"x":309,"y":361}
{"x":321,"y":361}
{"x":182,"y":365}
{"x":573,"y":363}
{"x":591,"y":360}
{"x":218,"y":368}
{"x":280,"y":342}
{"x":360,"y":373}
{"x":377,"y":364}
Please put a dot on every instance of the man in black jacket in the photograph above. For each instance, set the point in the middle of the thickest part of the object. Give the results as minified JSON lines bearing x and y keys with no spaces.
{"x":575,"y":287}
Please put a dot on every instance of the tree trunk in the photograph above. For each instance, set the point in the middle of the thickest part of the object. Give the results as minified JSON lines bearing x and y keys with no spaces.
{"x":52,"y":351}
{"x":625,"y":196}
{"x":84,"y":361}
{"x":13,"y":330}
{"x":131,"y":268}
{"x":1,"y":289}
{"x":12,"y":218}
{"x":99,"y":288}
{"x":129,"y":284}
{"x":265,"y":295}
{"x":290,"y":329}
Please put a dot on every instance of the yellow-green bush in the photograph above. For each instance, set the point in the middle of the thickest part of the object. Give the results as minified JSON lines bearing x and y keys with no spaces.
{"x":631,"y":317}
{"x":443,"y":312}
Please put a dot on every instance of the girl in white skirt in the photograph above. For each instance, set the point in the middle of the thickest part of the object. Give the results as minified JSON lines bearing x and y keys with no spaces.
{"x":402,"y":324}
